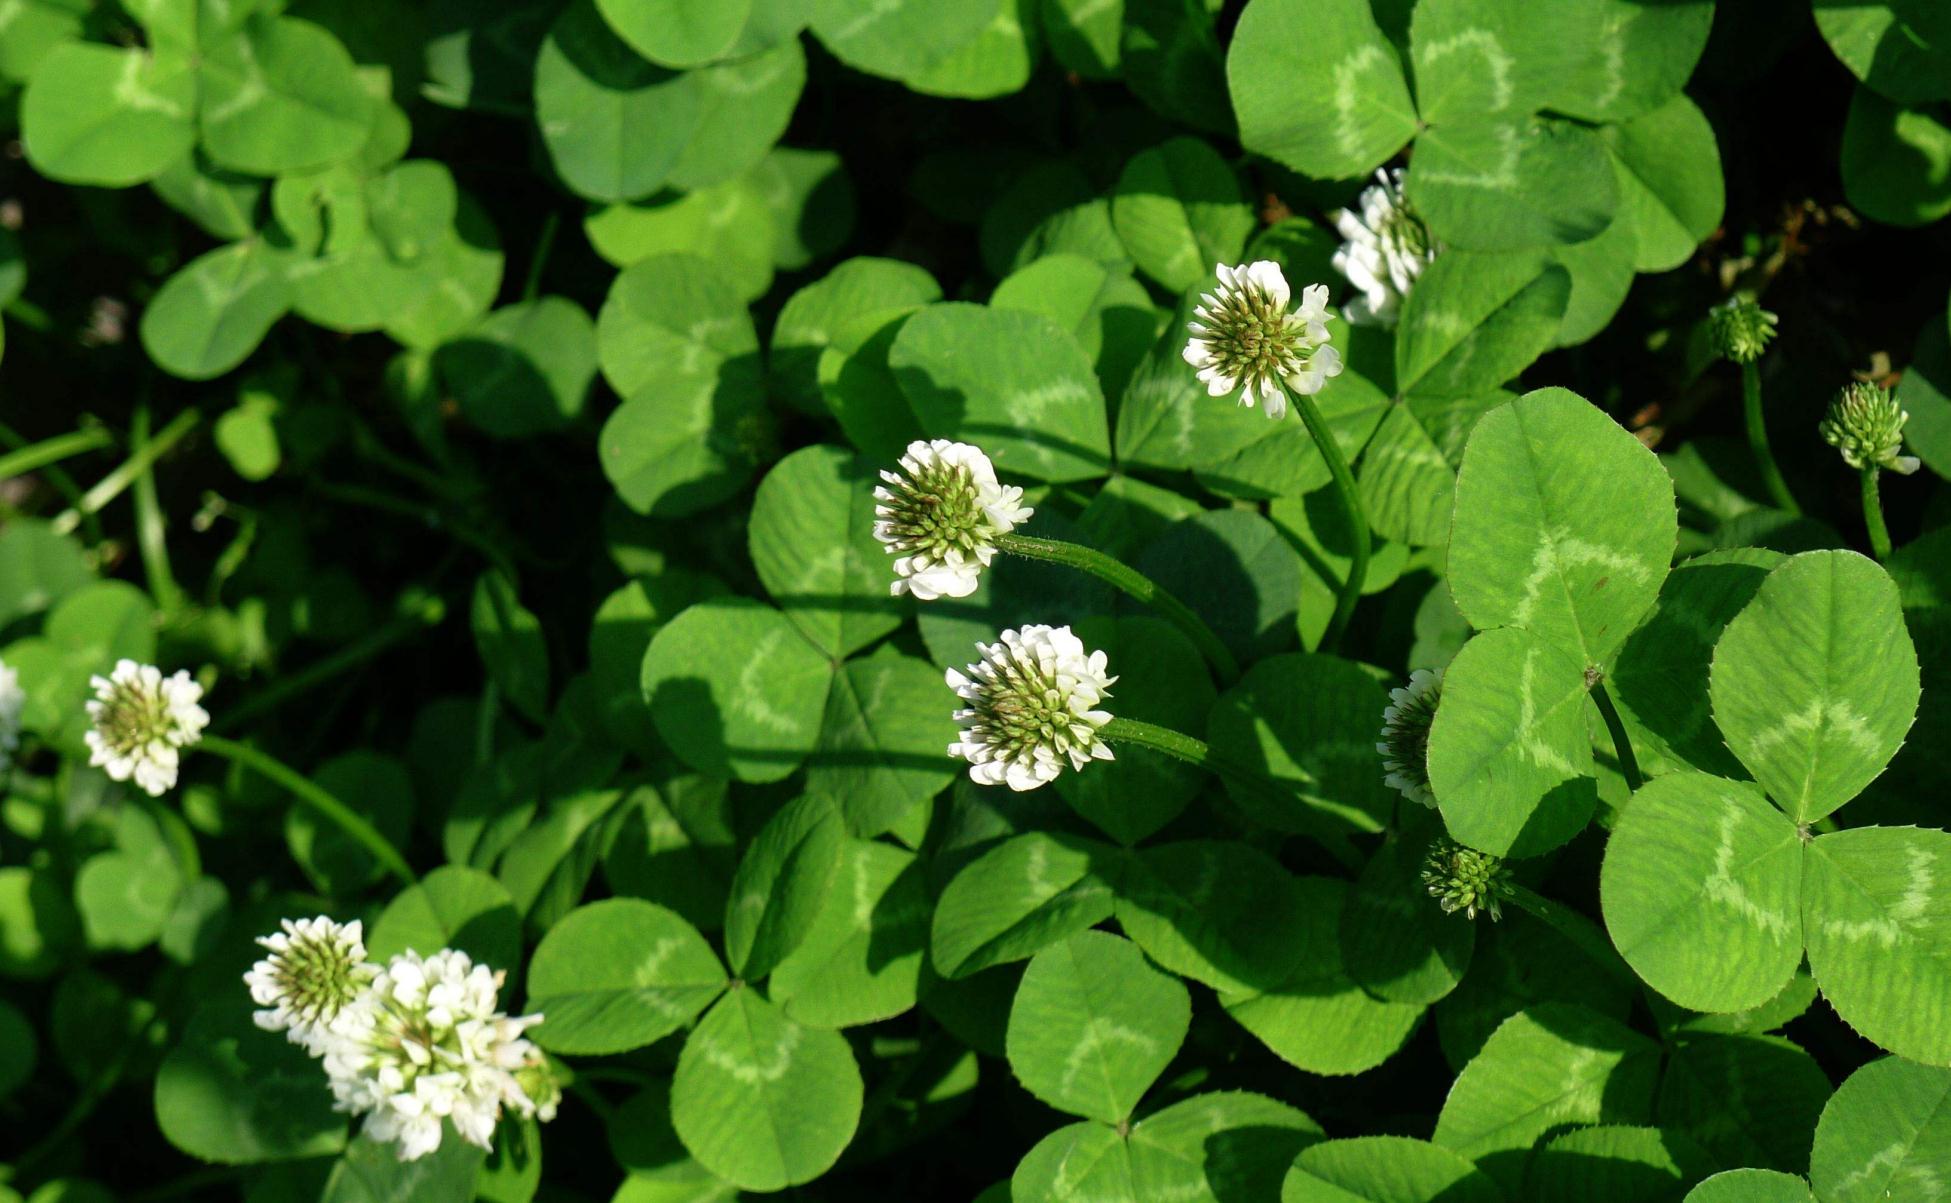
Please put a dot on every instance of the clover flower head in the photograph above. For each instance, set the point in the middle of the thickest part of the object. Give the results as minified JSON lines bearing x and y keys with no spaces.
{"x":940,"y":516}
{"x":1405,"y":734}
{"x":316,"y":969}
{"x":1245,"y":339}
{"x":1385,"y":247}
{"x":1741,"y":328}
{"x":424,"y":1043}
{"x":1032,"y":708}
{"x":12,"y":700}
{"x":1866,"y":424}
{"x":142,"y":722}
{"x":1464,"y":879}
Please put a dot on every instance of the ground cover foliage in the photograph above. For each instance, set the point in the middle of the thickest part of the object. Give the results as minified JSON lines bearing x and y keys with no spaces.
{"x":480,"y":404}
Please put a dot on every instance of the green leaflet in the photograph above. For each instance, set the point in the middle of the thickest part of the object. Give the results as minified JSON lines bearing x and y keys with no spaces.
{"x":1569,"y":543}
{"x":1384,"y":1169}
{"x":1509,"y":757}
{"x":1815,"y":682}
{"x":761,"y":1101}
{"x":1547,"y":1066}
{"x":1883,"y":1134}
{"x":1701,"y":890}
{"x":1094,"y":1024}
{"x":618,"y":974}
{"x":1334,"y":52}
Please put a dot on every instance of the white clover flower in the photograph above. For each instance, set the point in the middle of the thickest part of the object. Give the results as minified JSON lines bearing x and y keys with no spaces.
{"x":1386,"y":248}
{"x":940,"y":514}
{"x":1031,"y":706}
{"x":316,"y":969}
{"x":1244,"y":338}
{"x":12,"y":699}
{"x":1405,"y":734}
{"x":142,"y":720}
{"x":424,"y":1043}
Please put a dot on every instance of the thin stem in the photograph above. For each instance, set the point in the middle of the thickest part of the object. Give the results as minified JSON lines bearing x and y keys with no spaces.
{"x":330,"y":808}
{"x":1184,"y":747}
{"x":91,"y":526}
{"x":1134,"y":584}
{"x":404,"y":626}
{"x":1771,"y":473}
{"x":1873,"y":516}
{"x":110,"y":487}
{"x":1621,"y":743}
{"x":1351,"y":508}
{"x":48,"y":451}
{"x":1576,"y":928}
{"x":544,"y":243}
{"x":150,"y":527}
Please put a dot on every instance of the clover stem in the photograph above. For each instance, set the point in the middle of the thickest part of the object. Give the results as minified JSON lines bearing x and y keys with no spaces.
{"x":1621,"y":743}
{"x":327,"y":806}
{"x":1574,"y":927}
{"x":415,"y":615}
{"x":1771,"y":473}
{"x":1351,"y":507}
{"x":150,"y":526}
{"x":1873,"y":516}
{"x":48,"y":451}
{"x":1196,"y":752}
{"x":110,"y":487}
{"x":1133,"y":584}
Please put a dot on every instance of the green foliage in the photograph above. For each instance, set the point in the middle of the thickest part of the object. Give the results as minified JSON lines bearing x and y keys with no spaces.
{"x":484,"y":404}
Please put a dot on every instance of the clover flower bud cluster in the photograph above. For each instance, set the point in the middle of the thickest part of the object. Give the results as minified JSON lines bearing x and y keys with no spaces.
{"x":142,"y":721}
{"x":1464,"y":879}
{"x":1866,"y":424}
{"x":940,"y":515}
{"x":12,"y":700}
{"x":1245,"y":339}
{"x":1405,"y":734}
{"x":1741,"y":328}
{"x":1386,"y":247}
{"x":1031,"y":708}
{"x":409,"y":1045}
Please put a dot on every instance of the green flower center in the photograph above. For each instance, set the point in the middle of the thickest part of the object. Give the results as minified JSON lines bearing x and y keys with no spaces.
{"x":132,"y":717}
{"x":939,"y":510}
{"x":1025,"y":709}
{"x":1464,"y":879}
{"x":1250,"y":337}
{"x":318,"y":976}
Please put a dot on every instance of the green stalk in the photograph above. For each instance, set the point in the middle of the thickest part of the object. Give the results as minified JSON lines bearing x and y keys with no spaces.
{"x":1771,"y":473}
{"x":330,"y":808}
{"x":48,"y":451}
{"x":1576,"y":928}
{"x":1621,"y":743}
{"x":1351,"y":508}
{"x":1873,"y":516}
{"x":150,"y":527}
{"x":404,"y":626}
{"x":111,"y":486}
{"x":1132,"y":584}
{"x":1196,"y":752}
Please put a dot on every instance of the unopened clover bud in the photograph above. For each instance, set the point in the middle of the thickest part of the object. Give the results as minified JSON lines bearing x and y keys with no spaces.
{"x":1866,"y":424}
{"x":1032,"y":708}
{"x":1741,"y":328}
{"x":1464,"y":879}
{"x":940,"y":516}
{"x":1405,"y":735}
{"x":1244,"y":338}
